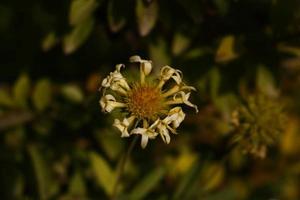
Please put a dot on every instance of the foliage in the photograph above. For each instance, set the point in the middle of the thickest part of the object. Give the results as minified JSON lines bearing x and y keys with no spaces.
{"x":242,"y":55}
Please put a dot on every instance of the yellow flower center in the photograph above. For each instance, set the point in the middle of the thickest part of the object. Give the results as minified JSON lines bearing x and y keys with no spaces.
{"x":145,"y":101}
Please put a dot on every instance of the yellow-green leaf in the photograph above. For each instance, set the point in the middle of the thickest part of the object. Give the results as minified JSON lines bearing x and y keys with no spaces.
{"x":72,"y":93}
{"x":77,"y":36}
{"x":146,"y":16}
{"x":5,"y":98}
{"x":265,"y":82}
{"x":77,"y":186}
{"x":21,"y":91}
{"x":116,"y":20}
{"x":45,"y":184}
{"x":147,"y":184}
{"x":81,"y":10}
{"x":42,"y":94}
{"x":226,"y":51}
{"x":180,"y":43}
{"x":105,"y":176}
{"x":49,"y":41}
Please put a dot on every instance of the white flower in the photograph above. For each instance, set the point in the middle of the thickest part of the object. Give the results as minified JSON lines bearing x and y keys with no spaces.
{"x":148,"y":104}
{"x":108,"y":103}
{"x":116,"y":81}
{"x":124,"y":125}
{"x":146,"y":133}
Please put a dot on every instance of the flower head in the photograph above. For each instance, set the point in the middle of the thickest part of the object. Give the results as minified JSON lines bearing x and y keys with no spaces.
{"x":152,"y":108}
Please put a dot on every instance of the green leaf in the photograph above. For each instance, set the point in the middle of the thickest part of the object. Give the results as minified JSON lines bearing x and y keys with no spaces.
{"x":78,"y":36}
{"x":187,"y":182}
{"x":21,"y":91}
{"x":265,"y":82}
{"x":77,"y":185}
{"x":5,"y":98}
{"x":42,"y":94}
{"x":158,"y":53}
{"x":111,"y":144}
{"x":146,"y":16}
{"x":180,"y":43}
{"x":72,"y":93}
{"x":104,"y":175}
{"x":215,"y":79}
{"x":81,"y":10}
{"x":148,"y":184}
{"x":115,"y":14}
{"x":49,"y":41}
{"x":46,"y":186}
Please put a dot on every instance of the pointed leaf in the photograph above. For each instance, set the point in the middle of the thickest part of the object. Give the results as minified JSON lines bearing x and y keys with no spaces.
{"x":147,"y":184}
{"x":180,"y":43}
{"x":46,"y":186}
{"x":226,"y":50}
{"x":72,"y":93}
{"x":81,"y":10}
{"x":265,"y":82}
{"x":21,"y":91}
{"x":104,"y":175}
{"x":115,"y":14}
{"x":146,"y":16}
{"x":77,"y":36}
{"x":77,"y":185}
{"x":5,"y":98}
{"x":42,"y":94}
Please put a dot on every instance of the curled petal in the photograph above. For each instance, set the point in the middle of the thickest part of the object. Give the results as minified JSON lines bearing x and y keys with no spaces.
{"x":116,"y":81}
{"x":176,"y":116}
{"x":184,"y":98}
{"x":168,"y":72}
{"x":146,"y":133}
{"x":145,"y":66}
{"x":124,"y":125}
{"x":108,"y":103}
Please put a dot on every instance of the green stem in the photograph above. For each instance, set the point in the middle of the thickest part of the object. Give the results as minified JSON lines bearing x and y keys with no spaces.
{"x":121,"y":167}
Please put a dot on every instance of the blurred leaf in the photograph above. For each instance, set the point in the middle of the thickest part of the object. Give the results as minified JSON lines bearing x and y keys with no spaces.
{"x":289,"y":49}
{"x":5,"y":98}
{"x":81,"y":10}
{"x":289,"y":143}
{"x":180,"y":43}
{"x":77,"y":186}
{"x":215,"y":80}
{"x":111,"y":144}
{"x":42,"y":94}
{"x":265,"y":82}
{"x":21,"y":91}
{"x":115,"y":15}
{"x":212,"y":176}
{"x":222,"y":6}
{"x":147,"y":184}
{"x":78,"y":36}
{"x":104,"y":175}
{"x":188,"y":180}
{"x":72,"y":93}
{"x":225,"y":51}
{"x":49,"y":41}
{"x":146,"y":16}
{"x":158,"y":53}
{"x":46,"y":187}
{"x":197,"y":52}
{"x":227,"y":193}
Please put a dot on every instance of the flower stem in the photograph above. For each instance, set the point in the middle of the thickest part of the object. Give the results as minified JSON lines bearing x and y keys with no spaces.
{"x":121,"y":167}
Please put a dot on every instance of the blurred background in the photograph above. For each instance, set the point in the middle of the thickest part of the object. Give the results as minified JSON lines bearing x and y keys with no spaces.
{"x":243,"y":56}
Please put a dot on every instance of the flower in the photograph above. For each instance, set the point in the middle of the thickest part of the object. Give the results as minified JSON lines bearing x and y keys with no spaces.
{"x":151,"y":108}
{"x":258,"y":122}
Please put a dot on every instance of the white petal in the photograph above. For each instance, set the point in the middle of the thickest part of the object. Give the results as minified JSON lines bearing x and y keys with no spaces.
{"x":146,"y":67}
{"x":168,"y":72}
{"x":144,"y":141}
{"x":108,"y":103}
